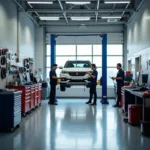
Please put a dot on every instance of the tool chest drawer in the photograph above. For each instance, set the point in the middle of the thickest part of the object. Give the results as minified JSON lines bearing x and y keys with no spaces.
{"x":10,"y":109}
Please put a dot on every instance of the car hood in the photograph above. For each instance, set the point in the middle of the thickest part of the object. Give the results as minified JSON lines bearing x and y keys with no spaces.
{"x":76,"y":69}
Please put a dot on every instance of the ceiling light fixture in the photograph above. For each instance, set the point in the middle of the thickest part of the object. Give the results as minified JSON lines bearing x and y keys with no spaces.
{"x":111,"y":17}
{"x":117,"y":1}
{"x":78,"y":3}
{"x":40,"y":2}
{"x":49,"y":18}
{"x":112,"y":20}
{"x":80,"y":18}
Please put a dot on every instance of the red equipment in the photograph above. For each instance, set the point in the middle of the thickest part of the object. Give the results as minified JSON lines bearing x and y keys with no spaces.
{"x":31,"y":96}
{"x":134,"y":114}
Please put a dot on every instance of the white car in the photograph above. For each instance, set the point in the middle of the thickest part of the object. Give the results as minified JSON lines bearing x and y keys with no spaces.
{"x":75,"y":73}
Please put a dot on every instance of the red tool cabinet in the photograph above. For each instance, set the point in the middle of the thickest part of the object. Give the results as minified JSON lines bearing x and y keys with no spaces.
{"x":26,"y":97}
{"x":32,"y":104}
{"x":36,"y":95}
{"x":39,"y":93}
{"x":31,"y":96}
{"x":122,"y":100}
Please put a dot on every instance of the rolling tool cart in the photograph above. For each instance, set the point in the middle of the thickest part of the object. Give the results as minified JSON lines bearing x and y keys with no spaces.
{"x":10,"y":110}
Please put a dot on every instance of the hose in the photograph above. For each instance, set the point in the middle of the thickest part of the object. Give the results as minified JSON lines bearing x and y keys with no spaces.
{"x":3,"y":60}
{"x":3,"y":73}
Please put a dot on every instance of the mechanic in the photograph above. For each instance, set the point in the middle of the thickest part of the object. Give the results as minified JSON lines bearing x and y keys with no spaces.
{"x":53,"y":83}
{"x":120,"y":82}
{"x":93,"y":84}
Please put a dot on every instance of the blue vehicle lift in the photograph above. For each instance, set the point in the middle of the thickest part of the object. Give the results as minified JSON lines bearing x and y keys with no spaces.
{"x":104,"y":60}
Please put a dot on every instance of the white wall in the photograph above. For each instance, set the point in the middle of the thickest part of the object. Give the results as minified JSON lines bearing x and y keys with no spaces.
{"x":138,"y":37}
{"x":8,"y":31}
{"x":27,"y":36}
{"x":113,"y":38}
{"x":40,"y":48}
{"x":115,"y":34}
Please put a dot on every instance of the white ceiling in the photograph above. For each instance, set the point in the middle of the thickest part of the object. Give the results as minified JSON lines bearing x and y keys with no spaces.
{"x":95,"y":10}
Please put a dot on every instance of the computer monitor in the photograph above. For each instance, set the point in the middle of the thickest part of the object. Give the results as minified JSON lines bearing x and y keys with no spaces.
{"x":144,"y":79}
{"x":137,"y":78}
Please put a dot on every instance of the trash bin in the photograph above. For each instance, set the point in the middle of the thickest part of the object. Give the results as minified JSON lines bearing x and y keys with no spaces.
{"x":45,"y":91}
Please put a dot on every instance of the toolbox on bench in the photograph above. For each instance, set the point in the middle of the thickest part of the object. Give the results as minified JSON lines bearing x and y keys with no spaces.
{"x":10,"y":109}
{"x":134,"y":114}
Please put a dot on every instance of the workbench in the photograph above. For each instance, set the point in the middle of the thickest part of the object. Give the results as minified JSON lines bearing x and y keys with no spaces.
{"x":133,"y":96}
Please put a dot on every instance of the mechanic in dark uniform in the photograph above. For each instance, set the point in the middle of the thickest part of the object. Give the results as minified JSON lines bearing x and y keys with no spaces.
{"x":120,"y":82}
{"x":53,"y":83}
{"x":93,"y":84}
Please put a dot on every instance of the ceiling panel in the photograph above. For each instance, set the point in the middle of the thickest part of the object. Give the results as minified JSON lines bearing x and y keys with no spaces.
{"x":96,"y":10}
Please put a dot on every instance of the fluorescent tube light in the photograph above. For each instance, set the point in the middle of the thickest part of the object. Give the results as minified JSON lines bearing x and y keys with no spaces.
{"x":111,"y":17}
{"x":117,"y":1}
{"x":78,"y":3}
{"x":49,"y":18}
{"x":40,"y":2}
{"x":80,"y":18}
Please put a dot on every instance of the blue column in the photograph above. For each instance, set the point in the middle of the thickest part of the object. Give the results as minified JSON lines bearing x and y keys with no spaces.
{"x":53,"y":50}
{"x":104,"y":69}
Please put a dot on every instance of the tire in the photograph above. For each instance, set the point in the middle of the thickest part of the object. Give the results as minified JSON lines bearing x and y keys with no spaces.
{"x":62,"y":88}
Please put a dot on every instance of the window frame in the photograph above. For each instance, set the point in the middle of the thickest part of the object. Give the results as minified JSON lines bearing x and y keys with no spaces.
{"x":92,"y":56}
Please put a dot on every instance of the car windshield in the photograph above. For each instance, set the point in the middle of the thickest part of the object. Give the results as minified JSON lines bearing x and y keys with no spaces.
{"x":78,"y":64}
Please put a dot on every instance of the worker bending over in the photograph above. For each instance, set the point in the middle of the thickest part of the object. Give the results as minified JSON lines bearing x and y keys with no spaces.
{"x":93,"y":84}
{"x":120,"y":82}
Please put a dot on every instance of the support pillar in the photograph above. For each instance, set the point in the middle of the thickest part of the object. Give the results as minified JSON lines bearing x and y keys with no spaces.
{"x":104,"y":69}
{"x":53,"y":50}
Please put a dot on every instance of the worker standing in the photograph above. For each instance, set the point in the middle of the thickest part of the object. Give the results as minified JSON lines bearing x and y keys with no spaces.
{"x":120,"y":82}
{"x":53,"y":83}
{"x":93,"y":84}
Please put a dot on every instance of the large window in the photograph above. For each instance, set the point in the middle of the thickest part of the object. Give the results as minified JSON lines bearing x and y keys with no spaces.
{"x":84,"y":50}
{"x":63,"y":50}
{"x":92,"y":53}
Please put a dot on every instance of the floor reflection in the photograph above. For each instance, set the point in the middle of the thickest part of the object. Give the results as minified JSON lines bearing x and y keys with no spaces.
{"x":72,"y":125}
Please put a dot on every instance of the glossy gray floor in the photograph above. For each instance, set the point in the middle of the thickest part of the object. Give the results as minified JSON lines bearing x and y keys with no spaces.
{"x":72,"y":125}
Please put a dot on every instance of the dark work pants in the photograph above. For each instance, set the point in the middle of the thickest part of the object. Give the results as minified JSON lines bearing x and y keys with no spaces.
{"x":118,"y":94}
{"x":53,"y":94}
{"x":93,"y":92}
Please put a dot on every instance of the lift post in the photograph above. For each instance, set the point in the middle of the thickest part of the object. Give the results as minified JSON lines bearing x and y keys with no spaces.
{"x":53,"y":50}
{"x":104,"y":69}
{"x":104,"y":60}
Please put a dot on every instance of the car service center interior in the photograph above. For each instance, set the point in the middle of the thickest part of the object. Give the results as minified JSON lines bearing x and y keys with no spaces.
{"x":74,"y":75}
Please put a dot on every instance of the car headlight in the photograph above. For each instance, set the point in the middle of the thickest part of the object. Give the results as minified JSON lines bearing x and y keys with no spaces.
{"x":64,"y":72}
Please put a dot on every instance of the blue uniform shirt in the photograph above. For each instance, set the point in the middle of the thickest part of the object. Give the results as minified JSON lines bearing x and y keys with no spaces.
{"x":122,"y":75}
{"x":94,"y":81}
{"x":53,"y":81}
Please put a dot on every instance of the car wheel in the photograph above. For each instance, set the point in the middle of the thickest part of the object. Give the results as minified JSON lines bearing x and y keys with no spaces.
{"x":62,"y":88}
